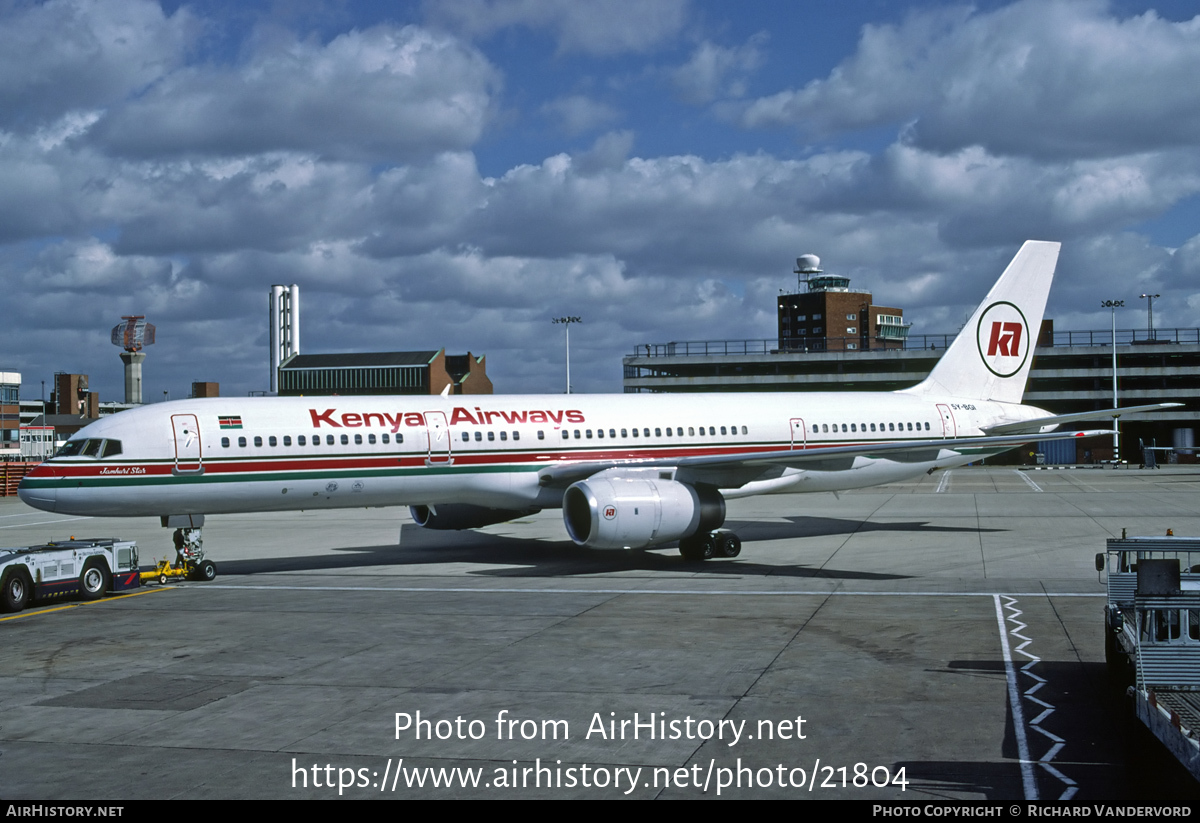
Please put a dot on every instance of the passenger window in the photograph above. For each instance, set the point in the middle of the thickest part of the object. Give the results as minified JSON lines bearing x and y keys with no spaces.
{"x":358,"y":439}
{"x":872,"y":427}
{"x":679,"y":431}
{"x":491,"y":436}
{"x":371,"y":439}
{"x":600,"y":433}
{"x":516,"y":435}
{"x":577,"y":437}
{"x":257,"y":442}
{"x":541,"y":434}
{"x":691,"y":431}
{"x":853,"y":427}
{"x":242,"y":442}
{"x":891,"y":427}
{"x":589,"y":434}
{"x":399,"y":438}
{"x":329,"y":440}
{"x":745,"y":430}
{"x":466,"y":437}
{"x":635,"y":432}
{"x":503,"y":435}
{"x":384,"y":438}
{"x":612,"y":432}
{"x":712,"y":430}
{"x":287,"y":440}
{"x":668,"y":431}
{"x":478,"y":437}
{"x":722,"y":430}
{"x":272,"y":442}
{"x":657,"y":432}
{"x":224,"y":442}
{"x":566,"y":434}
{"x":301,"y":441}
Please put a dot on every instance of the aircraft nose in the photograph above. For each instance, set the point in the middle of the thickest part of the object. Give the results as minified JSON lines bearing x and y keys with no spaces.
{"x":38,"y":489}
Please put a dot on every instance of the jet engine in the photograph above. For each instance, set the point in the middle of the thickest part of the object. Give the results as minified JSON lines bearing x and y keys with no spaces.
{"x":633,"y":513}
{"x":458,"y":516}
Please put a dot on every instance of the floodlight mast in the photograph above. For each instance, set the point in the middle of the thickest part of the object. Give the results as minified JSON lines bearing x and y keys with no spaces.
{"x":566,"y":322}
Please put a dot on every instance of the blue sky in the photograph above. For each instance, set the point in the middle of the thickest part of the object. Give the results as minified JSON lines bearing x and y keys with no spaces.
{"x":457,"y":173}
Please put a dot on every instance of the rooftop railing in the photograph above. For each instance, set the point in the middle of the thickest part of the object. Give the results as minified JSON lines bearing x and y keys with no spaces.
{"x":916,"y":342}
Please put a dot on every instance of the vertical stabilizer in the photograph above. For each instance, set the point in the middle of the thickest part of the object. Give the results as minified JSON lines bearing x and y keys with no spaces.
{"x":990,"y":358}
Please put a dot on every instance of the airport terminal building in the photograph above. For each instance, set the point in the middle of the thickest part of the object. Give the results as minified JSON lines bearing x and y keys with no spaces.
{"x":1072,"y":372}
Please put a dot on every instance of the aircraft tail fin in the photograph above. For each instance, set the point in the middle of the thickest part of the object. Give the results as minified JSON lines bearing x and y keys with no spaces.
{"x":990,"y":358}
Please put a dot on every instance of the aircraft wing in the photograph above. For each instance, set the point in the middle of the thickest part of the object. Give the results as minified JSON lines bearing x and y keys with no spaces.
{"x":1100,"y":414}
{"x":733,"y":470}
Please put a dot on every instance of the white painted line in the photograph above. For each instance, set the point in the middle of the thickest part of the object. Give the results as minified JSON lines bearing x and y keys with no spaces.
{"x":1071,"y":787}
{"x":1025,"y":477}
{"x":1014,"y":702}
{"x":44,"y":522}
{"x":944,"y":483}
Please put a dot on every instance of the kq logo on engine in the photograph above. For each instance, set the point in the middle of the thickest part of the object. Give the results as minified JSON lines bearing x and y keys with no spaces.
{"x":1003,"y":336}
{"x":610,"y":512}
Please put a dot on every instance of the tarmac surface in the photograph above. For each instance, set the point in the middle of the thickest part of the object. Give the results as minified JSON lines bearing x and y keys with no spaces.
{"x":940,"y":639}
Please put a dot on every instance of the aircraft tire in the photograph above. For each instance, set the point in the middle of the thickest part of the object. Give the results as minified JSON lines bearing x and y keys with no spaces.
{"x":94,"y":581}
{"x":207,"y":570}
{"x":15,"y":595}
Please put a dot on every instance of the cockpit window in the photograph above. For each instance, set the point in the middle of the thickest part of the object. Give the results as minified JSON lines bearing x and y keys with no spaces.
{"x":70,"y":448}
{"x":91,"y":447}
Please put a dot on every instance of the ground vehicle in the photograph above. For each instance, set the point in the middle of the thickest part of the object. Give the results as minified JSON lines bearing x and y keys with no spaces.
{"x":53,"y":571}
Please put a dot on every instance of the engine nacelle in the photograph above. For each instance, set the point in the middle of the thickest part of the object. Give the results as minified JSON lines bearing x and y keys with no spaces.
{"x":633,"y":513}
{"x":457,"y":516}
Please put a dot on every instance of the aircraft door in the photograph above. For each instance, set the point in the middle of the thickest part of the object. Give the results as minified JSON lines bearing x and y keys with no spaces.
{"x":188,"y":458}
{"x":437,"y":430}
{"x":949,"y":427}
{"x":799,"y":436}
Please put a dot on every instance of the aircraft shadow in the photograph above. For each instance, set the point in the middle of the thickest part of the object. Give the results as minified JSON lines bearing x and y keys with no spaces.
{"x":805,"y":526}
{"x":533,"y":558}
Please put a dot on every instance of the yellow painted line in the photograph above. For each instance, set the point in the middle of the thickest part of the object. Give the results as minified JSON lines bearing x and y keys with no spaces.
{"x":77,"y":605}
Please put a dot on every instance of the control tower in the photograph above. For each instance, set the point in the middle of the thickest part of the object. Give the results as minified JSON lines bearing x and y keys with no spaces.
{"x":133,"y":335}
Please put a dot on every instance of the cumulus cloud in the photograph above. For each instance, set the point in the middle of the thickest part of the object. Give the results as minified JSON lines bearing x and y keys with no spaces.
{"x":717,"y":71}
{"x":1043,"y":79}
{"x":386,"y":94}
{"x":597,"y":27}
{"x":83,"y":54}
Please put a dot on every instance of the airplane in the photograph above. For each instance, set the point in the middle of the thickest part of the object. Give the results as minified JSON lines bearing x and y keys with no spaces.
{"x":628,"y":471}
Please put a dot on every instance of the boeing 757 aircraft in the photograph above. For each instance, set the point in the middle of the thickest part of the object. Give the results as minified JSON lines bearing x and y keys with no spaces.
{"x":628,"y":471}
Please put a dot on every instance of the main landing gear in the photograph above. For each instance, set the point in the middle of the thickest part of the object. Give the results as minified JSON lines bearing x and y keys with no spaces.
{"x":706,"y":545}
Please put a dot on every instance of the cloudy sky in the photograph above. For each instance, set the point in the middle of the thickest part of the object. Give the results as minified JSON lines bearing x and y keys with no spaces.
{"x":455,"y":173}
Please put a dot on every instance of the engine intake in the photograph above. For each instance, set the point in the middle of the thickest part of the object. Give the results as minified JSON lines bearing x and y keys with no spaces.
{"x":633,"y":513}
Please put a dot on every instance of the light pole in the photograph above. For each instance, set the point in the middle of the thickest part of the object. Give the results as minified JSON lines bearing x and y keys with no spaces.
{"x":566,"y":322}
{"x":1114,"y":305}
{"x":1150,"y":314}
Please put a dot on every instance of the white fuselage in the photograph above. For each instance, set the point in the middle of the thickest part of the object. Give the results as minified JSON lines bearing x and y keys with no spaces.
{"x":221,"y":455}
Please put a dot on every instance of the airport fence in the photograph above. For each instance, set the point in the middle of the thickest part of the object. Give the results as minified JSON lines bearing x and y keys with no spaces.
{"x":11,"y":473}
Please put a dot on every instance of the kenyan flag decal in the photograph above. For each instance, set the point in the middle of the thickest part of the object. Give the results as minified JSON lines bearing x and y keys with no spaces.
{"x":230,"y":422}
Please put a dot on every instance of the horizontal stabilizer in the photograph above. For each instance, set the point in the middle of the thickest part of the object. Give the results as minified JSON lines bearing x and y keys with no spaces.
{"x":1037,"y":424}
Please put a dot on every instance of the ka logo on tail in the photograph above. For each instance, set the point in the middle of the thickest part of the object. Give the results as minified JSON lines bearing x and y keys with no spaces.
{"x":1003,"y":337}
